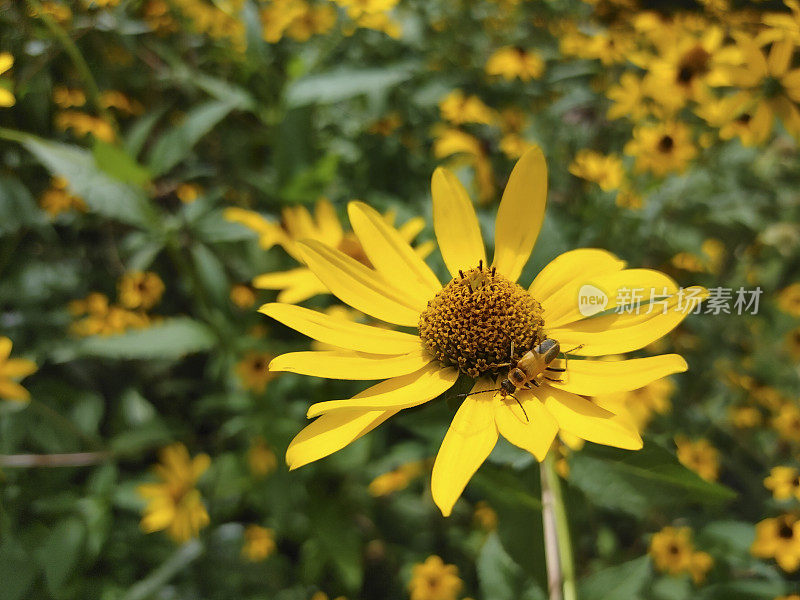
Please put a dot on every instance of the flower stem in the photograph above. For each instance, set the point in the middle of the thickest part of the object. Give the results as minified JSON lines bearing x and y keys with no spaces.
{"x":557,"y":542}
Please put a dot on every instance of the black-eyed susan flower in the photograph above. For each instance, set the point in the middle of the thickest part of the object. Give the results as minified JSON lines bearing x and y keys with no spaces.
{"x":787,"y":422}
{"x":434,"y":580}
{"x":779,"y":538}
{"x":673,"y":552}
{"x":485,"y":516}
{"x":745,"y":417}
{"x":12,"y":370}
{"x":699,"y":456}
{"x":462,"y":148}
{"x":789,"y":300}
{"x":260,"y":458}
{"x":174,"y":504}
{"x":6,"y":96}
{"x":140,"y":289}
{"x":792,"y":342}
{"x":254,"y":372}
{"x":604,"y":170}
{"x":57,"y":199}
{"x":297,"y":285}
{"x":784,"y":483}
{"x":662,"y":148}
{"x":458,"y":108}
{"x":468,"y":327}
{"x":515,"y":63}
{"x":242,"y":296}
{"x":396,"y":479}
{"x":259,"y":543}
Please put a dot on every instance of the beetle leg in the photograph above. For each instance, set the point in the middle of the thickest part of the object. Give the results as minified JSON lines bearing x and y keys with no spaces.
{"x":556,"y":369}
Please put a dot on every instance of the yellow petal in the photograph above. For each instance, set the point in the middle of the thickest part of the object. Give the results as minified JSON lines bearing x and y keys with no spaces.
{"x":344,"y":364}
{"x":533,"y":430}
{"x":158,"y":519}
{"x":330,"y":228}
{"x":521,"y":214}
{"x":595,"y":377}
{"x":6,"y":61}
{"x":469,"y":440}
{"x":5,"y":348}
{"x":619,"y":333}
{"x":6,"y":98}
{"x":562,"y":307}
{"x":455,"y":223}
{"x":332,"y":432}
{"x":296,"y":285}
{"x":588,"y":421}
{"x":299,"y":223}
{"x":269,"y":233}
{"x":341,"y":333}
{"x":780,"y":57}
{"x":391,"y":255}
{"x":359,"y":286}
{"x":411,"y":228}
{"x":396,"y":393}
{"x":10,"y":390}
{"x":569,"y":268}
{"x":17,"y":368}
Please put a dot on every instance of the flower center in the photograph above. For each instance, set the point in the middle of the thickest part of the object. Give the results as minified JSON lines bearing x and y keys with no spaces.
{"x":666,"y":144}
{"x":471,"y":323}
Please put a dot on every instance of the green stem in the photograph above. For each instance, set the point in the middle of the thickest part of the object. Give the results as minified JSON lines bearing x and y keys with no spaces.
{"x":558,"y":544}
{"x":77,"y":59}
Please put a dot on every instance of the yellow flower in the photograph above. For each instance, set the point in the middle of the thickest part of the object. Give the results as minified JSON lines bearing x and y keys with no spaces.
{"x":174,"y":504}
{"x":119,"y":101}
{"x":745,"y":417}
{"x":295,"y":18}
{"x":515,"y":63}
{"x":783,"y":482}
{"x":103,"y":318}
{"x":360,"y":8}
{"x":793,"y":343}
{"x":661,"y":149}
{"x":485,"y":516}
{"x":458,"y":108}
{"x":397,"y":479}
{"x":6,"y":97}
{"x":468,"y":327}
{"x":138,"y":289}
{"x":434,"y":580}
{"x":254,"y":372}
{"x":301,"y":284}
{"x":672,"y":552}
{"x":11,"y":371}
{"x":260,"y":458}
{"x":463,"y":148}
{"x":242,"y":296}
{"x":737,"y":116}
{"x":789,"y":300}
{"x":188,"y":192}
{"x":514,"y":145}
{"x":699,"y":456}
{"x":779,"y":538}
{"x":83,"y":124}
{"x":628,"y":99}
{"x":57,"y":199}
{"x":605,"y":170}
{"x":769,"y":85}
{"x":259,"y":543}
{"x":68,"y":98}
{"x":640,"y":405}
{"x":787,"y":422}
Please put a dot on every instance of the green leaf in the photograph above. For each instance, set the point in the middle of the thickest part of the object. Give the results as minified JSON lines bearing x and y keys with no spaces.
{"x":640,"y":482}
{"x":621,"y":581}
{"x":17,"y":570}
{"x":116,"y":162}
{"x":211,"y":273}
{"x":171,"y":339}
{"x":139,"y":132}
{"x":499,"y":576}
{"x":61,"y":552}
{"x":176,"y":144}
{"x":17,"y":207}
{"x":742,"y":590}
{"x":103,"y":194}
{"x":341,"y":84}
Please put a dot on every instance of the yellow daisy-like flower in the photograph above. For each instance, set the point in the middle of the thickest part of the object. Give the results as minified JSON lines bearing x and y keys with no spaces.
{"x":260,"y":458}
{"x":434,"y":580}
{"x":789,"y":300}
{"x":259,"y":543}
{"x":469,"y":327}
{"x":787,"y":422}
{"x":605,"y":170}
{"x":396,"y":479}
{"x":673,"y":552}
{"x":699,"y":456}
{"x":174,"y":504}
{"x":745,"y":417}
{"x":139,"y":289}
{"x":458,"y":108}
{"x":661,"y":149}
{"x":783,"y":482}
{"x":297,"y":224}
{"x":515,"y":63}
{"x":779,"y":538}
{"x":254,"y":371}
{"x":11,"y":371}
{"x":6,"y":97}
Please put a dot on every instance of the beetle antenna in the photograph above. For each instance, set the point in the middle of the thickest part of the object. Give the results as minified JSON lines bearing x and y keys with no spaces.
{"x":478,"y":392}
{"x":522,"y":407}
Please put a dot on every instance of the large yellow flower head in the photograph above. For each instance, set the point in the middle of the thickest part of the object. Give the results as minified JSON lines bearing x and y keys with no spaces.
{"x":468,"y":327}
{"x":11,"y":371}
